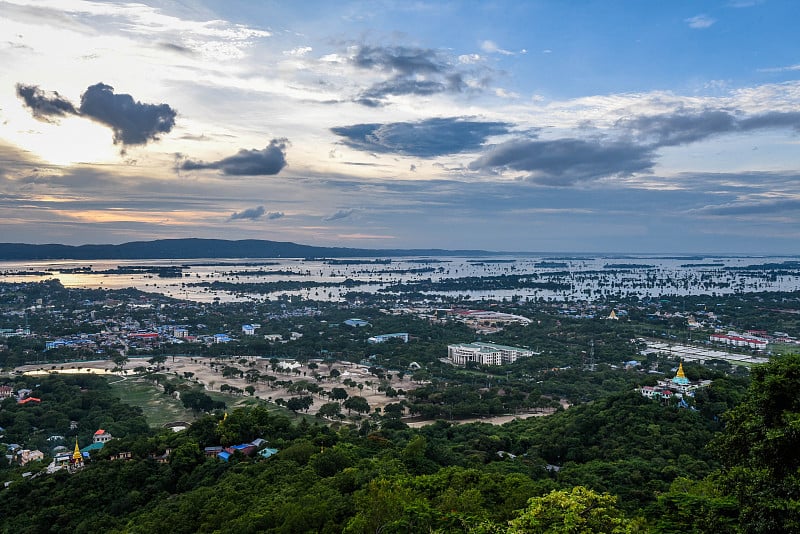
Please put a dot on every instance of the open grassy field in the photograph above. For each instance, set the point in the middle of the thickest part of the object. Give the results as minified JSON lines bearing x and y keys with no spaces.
{"x":160,"y":408}
{"x":157,"y":407}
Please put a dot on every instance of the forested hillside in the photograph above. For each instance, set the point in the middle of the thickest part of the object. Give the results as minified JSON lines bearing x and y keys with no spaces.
{"x":646,"y":466}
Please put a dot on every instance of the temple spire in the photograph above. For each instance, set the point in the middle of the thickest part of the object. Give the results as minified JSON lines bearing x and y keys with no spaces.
{"x":77,"y":457}
{"x":680,"y":377}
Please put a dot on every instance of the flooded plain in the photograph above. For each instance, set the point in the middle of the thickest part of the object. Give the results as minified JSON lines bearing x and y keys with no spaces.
{"x":562,"y":278}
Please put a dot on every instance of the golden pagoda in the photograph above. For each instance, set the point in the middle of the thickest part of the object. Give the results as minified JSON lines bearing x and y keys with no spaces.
{"x":680,"y":377}
{"x":77,"y":457}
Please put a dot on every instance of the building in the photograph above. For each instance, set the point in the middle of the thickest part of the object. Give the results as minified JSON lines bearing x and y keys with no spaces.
{"x":6,"y":392}
{"x":735,"y":340}
{"x":101,"y":436}
{"x":382,"y":338}
{"x":248,"y":330}
{"x":358,"y":323}
{"x":485,"y":353}
{"x":26,"y":456}
{"x":181,"y":333}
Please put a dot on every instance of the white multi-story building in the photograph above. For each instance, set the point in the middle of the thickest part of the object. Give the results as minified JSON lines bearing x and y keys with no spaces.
{"x":485,"y":353}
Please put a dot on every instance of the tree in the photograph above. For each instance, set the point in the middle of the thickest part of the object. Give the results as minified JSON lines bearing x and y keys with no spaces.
{"x":759,"y":449}
{"x":120,"y":359}
{"x":357,"y":403}
{"x":250,"y":390}
{"x":579,"y":511}
{"x":157,"y":360}
{"x":339,"y":394}
{"x":330,"y":410}
{"x":296,"y":404}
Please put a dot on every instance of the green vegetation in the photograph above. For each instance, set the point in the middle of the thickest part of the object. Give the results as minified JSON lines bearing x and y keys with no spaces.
{"x":156,"y":407}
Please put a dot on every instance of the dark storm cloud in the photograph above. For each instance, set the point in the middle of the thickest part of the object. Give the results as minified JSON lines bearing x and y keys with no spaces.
{"x":563,"y":162}
{"x":253,"y":162}
{"x":44,"y":105}
{"x":341,"y":214}
{"x":684,"y":128}
{"x":425,"y":139}
{"x":133,"y":123}
{"x":251,"y":213}
{"x":413,"y":71}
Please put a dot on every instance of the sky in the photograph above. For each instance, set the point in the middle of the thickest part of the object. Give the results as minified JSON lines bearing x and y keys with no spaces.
{"x":537,"y":126}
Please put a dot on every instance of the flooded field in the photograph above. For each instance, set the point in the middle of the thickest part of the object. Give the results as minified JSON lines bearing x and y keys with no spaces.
{"x":485,"y":278}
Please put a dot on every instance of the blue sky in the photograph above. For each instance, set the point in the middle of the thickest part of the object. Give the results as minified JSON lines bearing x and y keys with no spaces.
{"x":520,"y":126}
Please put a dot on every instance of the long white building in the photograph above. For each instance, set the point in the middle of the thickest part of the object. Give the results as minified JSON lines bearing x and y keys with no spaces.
{"x":485,"y":353}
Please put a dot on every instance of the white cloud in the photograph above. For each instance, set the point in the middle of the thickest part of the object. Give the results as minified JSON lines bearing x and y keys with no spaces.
{"x":469,"y":59}
{"x":787,"y":68}
{"x":490,"y":47}
{"x":300,"y":51}
{"x":700,"y":22}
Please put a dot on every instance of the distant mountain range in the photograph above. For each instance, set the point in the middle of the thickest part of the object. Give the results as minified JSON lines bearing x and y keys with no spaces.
{"x":207,"y":248}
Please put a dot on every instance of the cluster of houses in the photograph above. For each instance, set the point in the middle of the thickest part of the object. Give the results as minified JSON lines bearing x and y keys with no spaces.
{"x":257,"y":446}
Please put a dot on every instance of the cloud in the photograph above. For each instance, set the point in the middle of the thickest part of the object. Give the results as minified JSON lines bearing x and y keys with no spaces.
{"x":425,"y":139}
{"x":299,"y":51}
{"x":172,"y":47}
{"x":411,"y":70}
{"x":787,"y":68}
{"x":341,"y":214}
{"x":684,"y":128}
{"x":700,"y":22}
{"x":767,"y":206}
{"x":133,"y":123}
{"x":250,"y":213}
{"x":490,"y":47}
{"x":469,"y":59}
{"x":564,"y":162}
{"x":44,"y":105}
{"x":275,"y":215}
{"x":268,"y":161}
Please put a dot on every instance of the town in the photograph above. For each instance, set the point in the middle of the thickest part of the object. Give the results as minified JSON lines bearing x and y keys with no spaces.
{"x":368,"y":364}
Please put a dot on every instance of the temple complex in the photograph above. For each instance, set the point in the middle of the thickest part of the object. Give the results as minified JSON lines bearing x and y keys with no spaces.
{"x":676,"y":387}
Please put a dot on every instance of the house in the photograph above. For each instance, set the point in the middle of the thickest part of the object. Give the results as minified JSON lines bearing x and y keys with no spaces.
{"x":6,"y":392}
{"x":248,"y":330}
{"x":222,"y":338}
{"x":213,"y":451}
{"x":267,"y":452}
{"x":26,"y":456}
{"x":356,"y":323}
{"x":101,"y":436}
